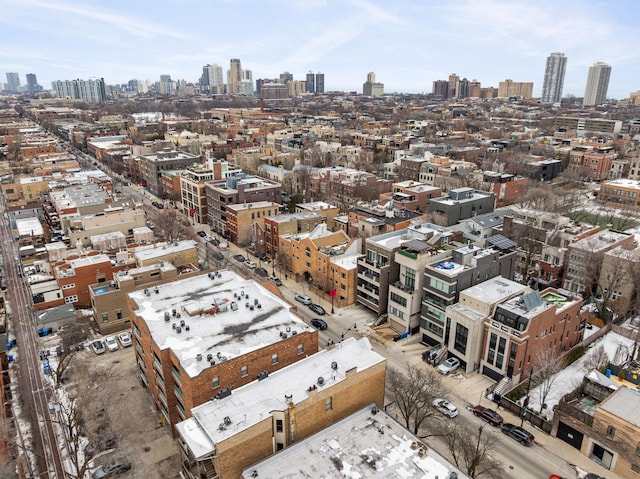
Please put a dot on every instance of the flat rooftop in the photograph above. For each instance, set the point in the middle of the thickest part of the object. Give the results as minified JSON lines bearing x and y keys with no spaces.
{"x":158,"y":250}
{"x":205,"y":304}
{"x":363,"y":445}
{"x":494,"y":289}
{"x":255,"y":402}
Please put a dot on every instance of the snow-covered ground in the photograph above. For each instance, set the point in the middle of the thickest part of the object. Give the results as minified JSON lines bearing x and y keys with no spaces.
{"x":615,"y":346}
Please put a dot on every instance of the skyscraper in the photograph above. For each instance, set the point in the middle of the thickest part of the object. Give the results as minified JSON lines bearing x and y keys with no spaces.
{"x":234,"y":75}
{"x":13,"y":82}
{"x":311,"y":82}
{"x":319,"y":82}
{"x":32,"y":83}
{"x":211,"y":80}
{"x":91,"y":91}
{"x":554,"y":78}
{"x":597,"y":84}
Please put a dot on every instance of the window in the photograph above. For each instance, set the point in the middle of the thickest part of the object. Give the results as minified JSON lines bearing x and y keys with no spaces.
{"x":279,"y":425}
{"x":105,"y":317}
{"x":460,"y":342}
{"x":638,"y":449}
{"x":396,"y":298}
{"x":244,"y":371}
{"x":119,"y":313}
{"x":274,"y":358}
{"x":300,"y":348}
{"x":307,"y":252}
{"x":328,"y":404}
{"x":410,"y":278}
{"x":70,"y":299}
{"x":215,"y":382}
{"x":611,"y":431}
{"x":492,"y":348}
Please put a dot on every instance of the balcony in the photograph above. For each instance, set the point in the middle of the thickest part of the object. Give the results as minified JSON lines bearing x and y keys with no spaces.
{"x":408,"y":254}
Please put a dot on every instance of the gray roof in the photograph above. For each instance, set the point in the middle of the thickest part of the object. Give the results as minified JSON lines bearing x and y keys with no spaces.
{"x":58,"y":313}
{"x":625,"y":404}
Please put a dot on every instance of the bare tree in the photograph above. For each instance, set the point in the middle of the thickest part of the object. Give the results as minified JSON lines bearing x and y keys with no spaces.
{"x":71,"y":338}
{"x":547,"y":364}
{"x":414,"y":392}
{"x":71,"y":421}
{"x":471,"y":452}
{"x":598,"y":359}
{"x":169,"y":225}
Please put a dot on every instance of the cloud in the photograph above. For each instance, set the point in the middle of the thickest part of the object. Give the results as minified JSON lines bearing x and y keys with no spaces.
{"x":134,"y":26}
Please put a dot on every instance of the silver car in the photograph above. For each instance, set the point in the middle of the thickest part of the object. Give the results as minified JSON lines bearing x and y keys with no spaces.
{"x":445,"y":407}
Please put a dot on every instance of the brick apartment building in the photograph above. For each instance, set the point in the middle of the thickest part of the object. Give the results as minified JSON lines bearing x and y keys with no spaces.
{"x":225,"y":436}
{"x":206,"y":335}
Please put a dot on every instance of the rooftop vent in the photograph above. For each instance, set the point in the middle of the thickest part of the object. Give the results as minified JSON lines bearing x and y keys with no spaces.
{"x":320,"y":381}
{"x":157,"y":290}
{"x":334,"y":365}
{"x":146,"y":291}
{"x":209,"y":357}
{"x":263,"y":375}
{"x":178,"y":329}
{"x":166,"y":316}
{"x":198,"y":357}
{"x":227,"y":420}
{"x":223,"y":393}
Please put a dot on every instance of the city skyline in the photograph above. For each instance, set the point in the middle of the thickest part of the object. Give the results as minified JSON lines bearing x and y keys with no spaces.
{"x":409,"y":45}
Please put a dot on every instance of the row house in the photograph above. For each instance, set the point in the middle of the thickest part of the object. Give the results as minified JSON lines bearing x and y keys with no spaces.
{"x":99,"y":146}
{"x":377,"y":268}
{"x":600,"y":419}
{"x":597,"y":160}
{"x":345,"y":186}
{"x":328,"y":210}
{"x":285,"y":224}
{"x":411,"y":195}
{"x":525,"y":328}
{"x":462,"y":203}
{"x":152,"y":165}
{"x":585,"y":259}
{"x":245,"y":221}
{"x":371,"y":219}
{"x":460,"y":269}
{"x":323,"y":260}
{"x":224,"y":437}
{"x":193,"y":198}
{"x":200,"y":338}
{"x":237,"y":189}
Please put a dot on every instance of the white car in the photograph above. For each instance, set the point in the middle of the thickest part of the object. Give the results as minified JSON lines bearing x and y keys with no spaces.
{"x":125,"y":339}
{"x":304,"y":299}
{"x":449,"y":366}
{"x":250,"y":264}
{"x":445,"y":407}
{"x":112,"y":344}
{"x":98,"y":346}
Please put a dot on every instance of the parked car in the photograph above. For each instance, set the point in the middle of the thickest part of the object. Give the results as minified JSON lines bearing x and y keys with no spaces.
{"x":214,"y":241}
{"x":98,"y":346}
{"x":202,"y":234}
{"x":488,"y":415}
{"x":218,"y":255}
{"x":125,"y":339}
{"x":240,"y":258}
{"x":261,"y":255}
{"x":319,"y":323}
{"x":316,"y":308}
{"x":262,"y":272}
{"x":449,"y":366}
{"x":250,"y":264}
{"x":111,"y":469}
{"x":445,"y":407}
{"x":277,"y":281}
{"x":521,"y":435}
{"x":304,"y":299}
{"x":112,"y":344}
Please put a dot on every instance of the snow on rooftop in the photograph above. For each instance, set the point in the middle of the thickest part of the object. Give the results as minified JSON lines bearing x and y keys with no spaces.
{"x":224,"y":334}
{"x":255,"y":402}
{"x":149,"y":252}
{"x":29,"y":227}
{"x":363,"y":445}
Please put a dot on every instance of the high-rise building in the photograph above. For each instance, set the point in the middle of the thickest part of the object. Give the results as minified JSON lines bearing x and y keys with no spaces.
{"x":453,"y":85}
{"x":554,"y":78}
{"x":234,"y":75}
{"x":311,"y":82}
{"x":286,"y":76}
{"x":32,"y":83}
{"x":441,"y":88}
{"x":510,"y":88}
{"x":212,"y":80}
{"x":319,"y":82}
{"x":597,"y":84}
{"x":91,"y":91}
{"x":13,"y":82}
{"x":371,"y":88}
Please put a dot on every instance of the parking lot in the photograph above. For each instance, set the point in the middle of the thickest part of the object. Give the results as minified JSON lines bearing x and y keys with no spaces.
{"x":119,"y":414}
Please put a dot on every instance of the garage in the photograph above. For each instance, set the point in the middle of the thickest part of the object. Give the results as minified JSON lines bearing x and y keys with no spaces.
{"x":569,"y":435}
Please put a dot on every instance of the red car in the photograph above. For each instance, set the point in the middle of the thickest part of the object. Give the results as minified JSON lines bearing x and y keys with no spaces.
{"x":488,"y":415}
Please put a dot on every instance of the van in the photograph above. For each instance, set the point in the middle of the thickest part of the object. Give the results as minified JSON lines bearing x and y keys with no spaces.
{"x":304,"y":299}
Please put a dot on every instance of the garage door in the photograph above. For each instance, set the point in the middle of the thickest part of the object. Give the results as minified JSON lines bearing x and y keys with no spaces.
{"x":569,"y":435}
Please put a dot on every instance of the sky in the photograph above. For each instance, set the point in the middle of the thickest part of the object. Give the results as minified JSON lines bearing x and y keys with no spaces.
{"x":408,"y":44}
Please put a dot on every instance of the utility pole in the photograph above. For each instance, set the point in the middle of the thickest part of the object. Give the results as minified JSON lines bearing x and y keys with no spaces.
{"x":525,"y":403}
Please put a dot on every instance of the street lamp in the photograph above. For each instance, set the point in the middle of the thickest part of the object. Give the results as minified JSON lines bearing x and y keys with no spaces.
{"x":333,"y":291}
